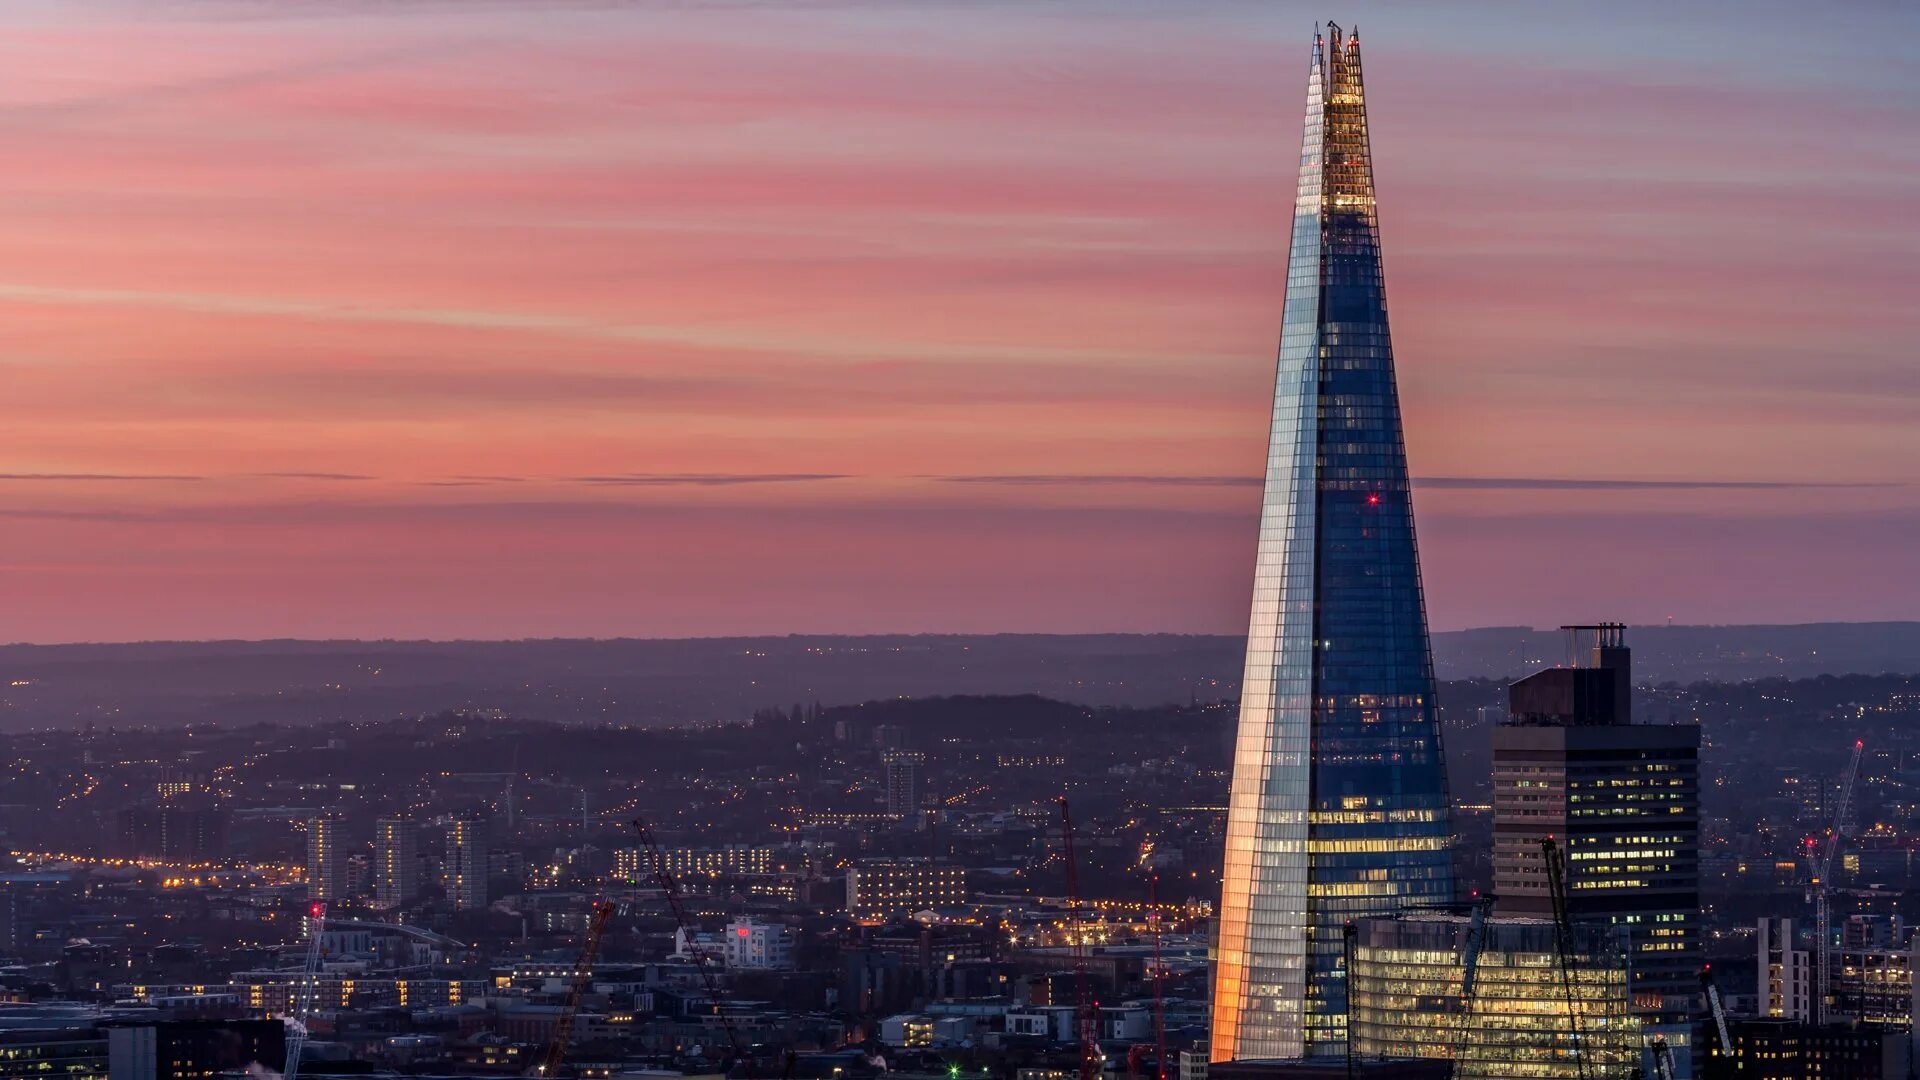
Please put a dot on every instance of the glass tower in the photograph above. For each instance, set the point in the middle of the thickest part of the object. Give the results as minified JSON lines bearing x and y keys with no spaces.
{"x":1338,"y":806}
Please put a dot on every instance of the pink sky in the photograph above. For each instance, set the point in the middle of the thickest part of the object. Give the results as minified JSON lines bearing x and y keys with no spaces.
{"x":501,"y":320}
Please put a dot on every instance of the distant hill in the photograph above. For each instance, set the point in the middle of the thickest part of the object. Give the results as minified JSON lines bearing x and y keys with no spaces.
{"x":711,"y":680}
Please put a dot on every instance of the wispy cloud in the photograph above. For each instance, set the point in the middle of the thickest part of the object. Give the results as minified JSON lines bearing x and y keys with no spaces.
{"x":1099,"y":480}
{"x":114,"y":477}
{"x":784,"y":341}
{"x":703,"y":479}
{"x":315,"y":476}
{"x":1547,"y":483}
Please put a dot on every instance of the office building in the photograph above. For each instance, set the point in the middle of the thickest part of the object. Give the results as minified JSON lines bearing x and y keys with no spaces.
{"x":326,"y":860}
{"x":396,"y":861}
{"x":1338,"y":803}
{"x":464,"y":869}
{"x":195,"y":1049}
{"x":1768,"y":1049}
{"x":903,"y":769}
{"x":1623,"y":802}
{"x":69,"y":1053}
{"x":1359,"y":1069}
{"x":879,"y":889}
{"x":1784,"y":973}
{"x":1529,"y":1016}
{"x":1873,"y":977}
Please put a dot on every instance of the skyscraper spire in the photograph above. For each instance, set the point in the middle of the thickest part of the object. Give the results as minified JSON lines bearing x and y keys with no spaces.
{"x":1338,"y":806}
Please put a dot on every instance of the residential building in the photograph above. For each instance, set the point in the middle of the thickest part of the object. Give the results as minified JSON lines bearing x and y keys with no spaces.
{"x":326,"y":860}
{"x":464,"y":868}
{"x":1784,"y":989}
{"x":903,"y":768}
{"x":878,"y":889}
{"x":728,"y":860}
{"x":396,"y":861}
{"x":754,"y":945}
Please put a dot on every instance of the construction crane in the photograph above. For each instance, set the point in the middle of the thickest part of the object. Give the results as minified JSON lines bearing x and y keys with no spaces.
{"x":1563,"y":946}
{"x":1823,"y":892}
{"x":671,"y":888}
{"x":582,"y":981}
{"x":1089,"y":1036}
{"x":1159,"y":982}
{"x":1662,"y":1058}
{"x":1469,"y":974}
{"x":1138,"y":1051}
{"x":1718,"y":1010}
{"x":306,"y":992}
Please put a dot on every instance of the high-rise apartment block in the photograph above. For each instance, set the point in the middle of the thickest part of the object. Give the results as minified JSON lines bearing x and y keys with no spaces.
{"x":1338,"y":806}
{"x":326,"y":860}
{"x":396,"y":861}
{"x":172,"y":829}
{"x":464,"y":870}
{"x":903,"y":768}
{"x":1621,"y":800}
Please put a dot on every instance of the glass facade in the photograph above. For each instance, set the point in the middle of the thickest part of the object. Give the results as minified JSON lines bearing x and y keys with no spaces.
{"x":1338,"y":806}
{"x":1530,"y":1017}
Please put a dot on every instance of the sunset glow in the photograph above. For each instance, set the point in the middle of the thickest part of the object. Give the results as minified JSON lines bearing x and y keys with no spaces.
{"x":394,"y":320}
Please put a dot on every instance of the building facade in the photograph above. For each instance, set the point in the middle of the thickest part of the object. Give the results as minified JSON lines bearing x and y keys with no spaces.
{"x":1766,"y":1049}
{"x":879,"y":889}
{"x":195,"y":1049}
{"x":758,"y":946}
{"x":1873,"y":975}
{"x":1623,"y":802}
{"x":326,"y":860}
{"x":172,"y":830}
{"x":1529,"y":1016}
{"x":1783,"y":973}
{"x":903,"y":769}
{"x":1338,"y":805}
{"x":633,"y":865}
{"x":465,"y":866}
{"x":396,"y":861}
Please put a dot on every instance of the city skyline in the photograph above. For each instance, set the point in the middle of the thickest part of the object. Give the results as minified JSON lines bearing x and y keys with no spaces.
{"x":472,"y":323}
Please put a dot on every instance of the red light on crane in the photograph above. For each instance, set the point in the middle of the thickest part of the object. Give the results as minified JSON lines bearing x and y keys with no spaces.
{"x":1373,"y":498}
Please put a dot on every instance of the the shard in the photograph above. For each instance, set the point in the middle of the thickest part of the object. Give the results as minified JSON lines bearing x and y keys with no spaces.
{"x":1338,"y":807}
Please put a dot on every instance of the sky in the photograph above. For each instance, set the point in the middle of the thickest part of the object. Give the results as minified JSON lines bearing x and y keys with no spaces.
{"x":498,"y":320}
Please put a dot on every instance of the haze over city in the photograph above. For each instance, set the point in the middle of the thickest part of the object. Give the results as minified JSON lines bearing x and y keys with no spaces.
{"x":355,"y":319}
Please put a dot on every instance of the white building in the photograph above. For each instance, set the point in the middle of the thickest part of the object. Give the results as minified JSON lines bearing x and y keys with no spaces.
{"x":1785,"y":983}
{"x":1055,"y":1023}
{"x":755,"y":945}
